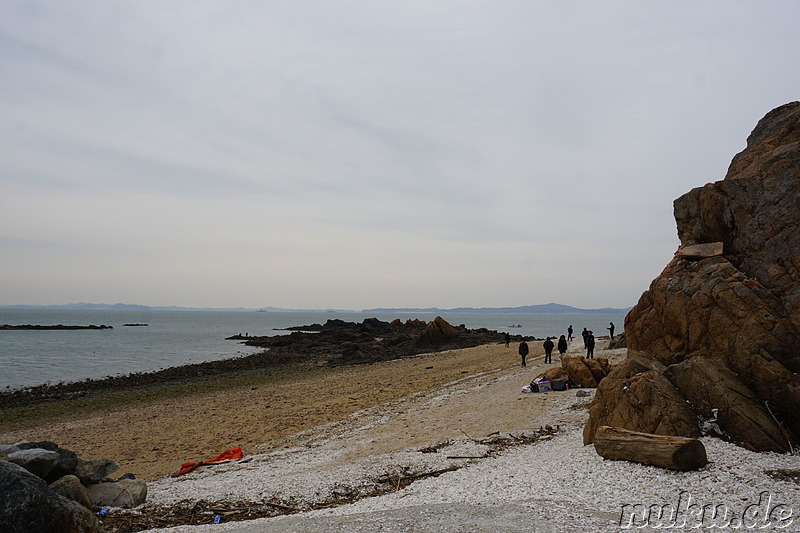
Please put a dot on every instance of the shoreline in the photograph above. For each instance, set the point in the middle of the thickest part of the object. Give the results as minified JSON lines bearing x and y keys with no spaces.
{"x":152,"y":436}
{"x":330,"y":436}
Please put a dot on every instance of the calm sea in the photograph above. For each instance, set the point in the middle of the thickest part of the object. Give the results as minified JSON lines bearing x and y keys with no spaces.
{"x":174,"y":338}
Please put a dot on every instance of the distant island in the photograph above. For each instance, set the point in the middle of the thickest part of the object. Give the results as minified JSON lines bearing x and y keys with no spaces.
{"x":551,"y":308}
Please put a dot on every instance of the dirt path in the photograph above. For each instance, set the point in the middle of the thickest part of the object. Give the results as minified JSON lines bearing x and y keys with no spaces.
{"x":152,"y":441}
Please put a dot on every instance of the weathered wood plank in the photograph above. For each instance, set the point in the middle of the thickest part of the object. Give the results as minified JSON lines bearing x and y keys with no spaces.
{"x":699,"y":251}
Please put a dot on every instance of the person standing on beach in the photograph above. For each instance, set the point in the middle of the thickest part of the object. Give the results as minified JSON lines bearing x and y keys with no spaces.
{"x":589,"y":345}
{"x":562,"y":346}
{"x":584,"y":333}
{"x":569,"y":333}
{"x":508,"y":339}
{"x":523,"y":350}
{"x":548,"y":351}
{"x":611,"y":330}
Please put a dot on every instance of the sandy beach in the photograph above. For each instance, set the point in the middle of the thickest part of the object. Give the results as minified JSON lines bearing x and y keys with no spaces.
{"x":321,"y":438}
{"x":152,"y":441}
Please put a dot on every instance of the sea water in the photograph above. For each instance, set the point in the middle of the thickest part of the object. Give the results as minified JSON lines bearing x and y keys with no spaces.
{"x":174,"y":338}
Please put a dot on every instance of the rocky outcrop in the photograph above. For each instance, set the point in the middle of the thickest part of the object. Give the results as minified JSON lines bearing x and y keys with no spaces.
{"x":724,"y":315}
{"x":339,"y":342}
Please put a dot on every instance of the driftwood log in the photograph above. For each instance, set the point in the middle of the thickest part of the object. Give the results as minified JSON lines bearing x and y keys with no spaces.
{"x":666,"y":451}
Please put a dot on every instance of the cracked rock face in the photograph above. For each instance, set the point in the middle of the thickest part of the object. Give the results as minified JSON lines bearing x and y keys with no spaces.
{"x":740,"y":308}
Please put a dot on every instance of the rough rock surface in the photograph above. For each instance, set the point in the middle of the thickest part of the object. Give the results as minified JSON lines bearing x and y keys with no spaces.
{"x":438,"y":330}
{"x":730,"y":409}
{"x":70,"y":487}
{"x":618,"y":342}
{"x":125,"y":493}
{"x":91,"y":471}
{"x":585,"y":372}
{"x":29,"y":505}
{"x":554,"y":374}
{"x":740,"y":309}
{"x":637,"y":395}
{"x":36,"y":461}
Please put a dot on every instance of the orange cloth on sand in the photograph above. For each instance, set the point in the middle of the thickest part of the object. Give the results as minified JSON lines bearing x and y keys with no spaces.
{"x":234,"y":454}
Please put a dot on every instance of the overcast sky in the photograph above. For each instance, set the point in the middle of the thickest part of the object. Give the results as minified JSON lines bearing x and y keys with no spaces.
{"x":363,"y":153}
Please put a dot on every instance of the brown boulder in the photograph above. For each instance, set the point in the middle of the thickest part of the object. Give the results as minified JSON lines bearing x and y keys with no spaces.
{"x":618,"y":342}
{"x":729,"y":408}
{"x":636,"y":396}
{"x":70,"y":486}
{"x":554,"y":374}
{"x":732,"y":292}
{"x":585,"y":372}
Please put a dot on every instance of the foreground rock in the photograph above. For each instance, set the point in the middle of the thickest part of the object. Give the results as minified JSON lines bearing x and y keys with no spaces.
{"x":636,"y":396}
{"x":716,"y":337}
{"x":79,"y":486}
{"x":28,"y":505}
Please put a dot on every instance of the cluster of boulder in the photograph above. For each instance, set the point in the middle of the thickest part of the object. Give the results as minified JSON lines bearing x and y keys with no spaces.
{"x":50,"y":489}
{"x":714,"y":343}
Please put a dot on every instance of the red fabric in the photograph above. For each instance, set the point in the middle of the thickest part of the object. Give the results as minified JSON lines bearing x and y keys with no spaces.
{"x":234,"y":454}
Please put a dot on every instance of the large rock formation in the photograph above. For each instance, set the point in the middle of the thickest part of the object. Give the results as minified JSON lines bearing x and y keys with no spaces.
{"x":723,"y":318}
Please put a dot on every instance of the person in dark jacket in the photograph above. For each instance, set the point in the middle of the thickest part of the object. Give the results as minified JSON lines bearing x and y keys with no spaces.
{"x":523,"y":351}
{"x":548,"y":350}
{"x":562,"y":346}
{"x":589,"y":345}
{"x":569,"y":333}
{"x":584,"y":333}
{"x":611,"y":330}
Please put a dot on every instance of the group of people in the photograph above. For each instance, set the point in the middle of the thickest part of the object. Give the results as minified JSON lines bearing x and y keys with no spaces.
{"x":549,"y":345}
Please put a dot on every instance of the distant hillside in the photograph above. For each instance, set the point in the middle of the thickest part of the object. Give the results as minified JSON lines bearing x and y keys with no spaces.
{"x":551,"y":308}
{"x":120,"y":307}
{"x":136,"y":307}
